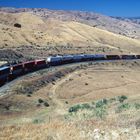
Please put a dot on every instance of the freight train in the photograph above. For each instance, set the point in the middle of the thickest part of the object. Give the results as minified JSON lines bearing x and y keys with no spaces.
{"x":8,"y":73}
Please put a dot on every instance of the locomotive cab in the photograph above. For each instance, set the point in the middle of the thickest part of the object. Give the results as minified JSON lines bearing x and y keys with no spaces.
{"x":15,"y":71}
{"x":4,"y":74}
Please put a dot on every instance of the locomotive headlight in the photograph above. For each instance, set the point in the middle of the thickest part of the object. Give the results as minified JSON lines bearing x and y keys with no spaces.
{"x":49,"y":59}
{"x":11,"y":70}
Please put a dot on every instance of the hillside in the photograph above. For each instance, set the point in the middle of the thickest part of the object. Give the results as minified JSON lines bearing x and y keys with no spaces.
{"x":63,"y":35}
{"x":115,"y":25}
{"x":130,"y":19}
{"x":84,"y":102}
{"x":78,"y":101}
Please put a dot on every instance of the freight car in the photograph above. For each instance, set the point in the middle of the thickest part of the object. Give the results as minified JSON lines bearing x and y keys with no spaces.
{"x":78,"y":58}
{"x":88,"y":57}
{"x":100,"y":57}
{"x":29,"y":66}
{"x":113,"y":57}
{"x":40,"y":64}
{"x":128,"y":57}
{"x":137,"y":56}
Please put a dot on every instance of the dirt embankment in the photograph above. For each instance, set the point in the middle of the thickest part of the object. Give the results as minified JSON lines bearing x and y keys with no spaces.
{"x":21,"y":94}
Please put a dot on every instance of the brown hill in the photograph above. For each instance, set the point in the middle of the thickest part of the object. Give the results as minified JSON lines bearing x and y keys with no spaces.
{"x":39,"y":32}
{"x":116,"y":25}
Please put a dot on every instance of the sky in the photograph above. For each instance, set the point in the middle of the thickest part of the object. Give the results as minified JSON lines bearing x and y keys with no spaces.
{"x":124,"y":8}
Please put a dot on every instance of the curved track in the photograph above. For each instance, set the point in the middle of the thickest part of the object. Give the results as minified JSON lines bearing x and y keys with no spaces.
{"x":5,"y":89}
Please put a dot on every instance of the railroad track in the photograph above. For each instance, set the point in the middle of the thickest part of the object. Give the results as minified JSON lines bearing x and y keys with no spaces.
{"x":6,"y":88}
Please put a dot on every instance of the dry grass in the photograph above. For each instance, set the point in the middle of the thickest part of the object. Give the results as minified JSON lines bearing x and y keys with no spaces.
{"x":27,"y":120}
{"x":38,"y":32}
{"x":77,"y":130}
{"x":100,"y":82}
{"x":56,"y":123}
{"x":51,"y":131}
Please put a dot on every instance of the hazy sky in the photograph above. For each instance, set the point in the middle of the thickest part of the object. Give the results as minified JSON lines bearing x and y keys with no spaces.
{"x":108,"y":7}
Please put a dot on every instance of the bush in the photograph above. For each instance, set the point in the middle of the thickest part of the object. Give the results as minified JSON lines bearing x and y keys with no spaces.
{"x":101,"y":103}
{"x":112,"y":100}
{"x":46,"y":104}
{"x":100,"y":112}
{"x":122,"y":98}
{"x":40,"y":101}
{"x":74,"y":108}
{"x":105,"y":101}
{"x":79,"y":107}
{"x":17,"y":25}
{"x":86,"y":84}
{"x":93,"y":103}
{"x":67,"y":102}
{"x":37,"y":121}
{"x":29,"y":95}
{"x":137,"y":106}
{"x":124,"y":107}
{"x":85,"y":106}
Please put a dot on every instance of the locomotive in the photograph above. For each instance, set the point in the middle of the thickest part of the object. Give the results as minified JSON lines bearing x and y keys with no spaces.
{"x":8,"y":73}
{"x":4,"y":73}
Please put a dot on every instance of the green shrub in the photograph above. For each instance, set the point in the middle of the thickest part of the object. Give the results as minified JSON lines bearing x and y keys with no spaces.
{"x":124,"y":107}
{"x":100,"y":112}
{"x":137,"y":106}
{"x":46,"y":104}
{"x":37,"y":121}
{"x":74,"y":108}
{"x":112,"y":100}
{"x":105,"y":101}
{"x":93,"y":103}
{"x":66,"y":102}
{"x":79,"y":107}
{"x":40,"y":101}
{"x":101,"y":103}
{"x":85,"y":106}
{"x":122,"y":98}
